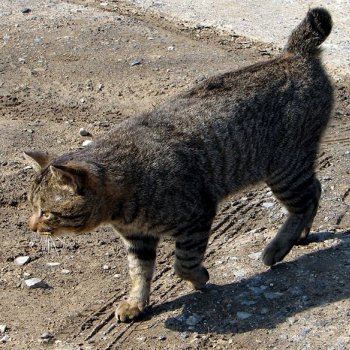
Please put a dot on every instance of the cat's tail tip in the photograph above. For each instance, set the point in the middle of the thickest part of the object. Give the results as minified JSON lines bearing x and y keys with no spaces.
{"x":310,"y":33}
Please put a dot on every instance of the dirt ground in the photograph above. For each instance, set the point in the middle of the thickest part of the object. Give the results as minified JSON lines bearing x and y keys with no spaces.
{"x":66,"y":66}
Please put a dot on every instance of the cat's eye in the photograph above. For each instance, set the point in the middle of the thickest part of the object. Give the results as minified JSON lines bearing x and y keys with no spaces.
{"x":46,"y":215}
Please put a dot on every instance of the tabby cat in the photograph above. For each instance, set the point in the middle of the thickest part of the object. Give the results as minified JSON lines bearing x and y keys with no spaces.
{"x":165,"y":171}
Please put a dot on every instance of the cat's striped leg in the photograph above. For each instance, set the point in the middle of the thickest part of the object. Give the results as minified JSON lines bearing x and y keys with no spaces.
{"x":300,"y":194}
{"x":190,"y":247}
{"x":141,"y":259}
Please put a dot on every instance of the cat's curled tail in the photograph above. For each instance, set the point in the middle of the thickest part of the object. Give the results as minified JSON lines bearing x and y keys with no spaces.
{"x":310,"y":33}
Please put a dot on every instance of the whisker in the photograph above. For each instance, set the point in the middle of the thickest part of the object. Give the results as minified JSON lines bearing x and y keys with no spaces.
{"x":48,"y":244}
{"x":62,"y":241}
{"x":54,"y":245}
{"x":42,"y":241}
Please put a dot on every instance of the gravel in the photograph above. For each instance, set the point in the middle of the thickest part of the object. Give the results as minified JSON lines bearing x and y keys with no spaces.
{"x":22,"y":260}
{"x":32,"y":283}
{"x":83,"y":132}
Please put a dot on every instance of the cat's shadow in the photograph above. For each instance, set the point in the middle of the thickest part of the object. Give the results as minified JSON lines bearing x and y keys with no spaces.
{"x":269,"y":298}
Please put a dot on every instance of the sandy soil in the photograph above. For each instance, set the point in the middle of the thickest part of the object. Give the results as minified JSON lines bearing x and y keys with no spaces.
{"x":64,"y":66}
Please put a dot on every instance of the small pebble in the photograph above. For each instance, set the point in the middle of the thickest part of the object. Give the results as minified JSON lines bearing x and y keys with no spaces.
{"x":248,"y":302}
{"x":171,"y":48}
{"x":38,"y":40}
{"x":52,"y":264}
{"x":87,"y":143}
{"x":193,"y":320}
{"x":46,"y":335}
{"x":22,"y":260}
{"x":105,"y":267}
{"x":268,"y":205}
{"x":65,"y":271}
{"x":239,"y":273}
{"x":264,"y":311}
{"x":162,"y":337}
{"x":272,"y":295}
{"x":26,"y":10}
{"x":5,"y":339}
{"x":135,"y":63}
{"x":3,"y":328}
{"x":243,"y":315}
{"x":35,"y":283}
{"x":258,"y":290}
{"x":84,"y":132}
{"x":46,"y":338}
{"x":255,"y":256}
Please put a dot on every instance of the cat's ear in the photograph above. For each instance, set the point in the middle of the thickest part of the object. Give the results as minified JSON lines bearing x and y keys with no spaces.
{"x":37,"y":159}
{"x":69,"y":176}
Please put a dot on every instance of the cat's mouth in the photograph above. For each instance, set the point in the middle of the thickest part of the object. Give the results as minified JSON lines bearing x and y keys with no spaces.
{"x":45,"y":233}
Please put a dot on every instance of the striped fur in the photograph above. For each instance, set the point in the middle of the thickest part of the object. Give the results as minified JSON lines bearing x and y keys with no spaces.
{"x":165,"y":171}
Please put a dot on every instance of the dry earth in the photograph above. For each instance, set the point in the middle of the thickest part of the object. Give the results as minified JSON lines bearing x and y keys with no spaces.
{"x":64,"y":66}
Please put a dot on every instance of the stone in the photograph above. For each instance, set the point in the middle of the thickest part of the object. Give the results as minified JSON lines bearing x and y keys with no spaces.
{"x":257,"y":290}
{"x":46,"y":338}
{"x":53,"y":264}
{"x":243,"y":315}
{"x":32,"y":283}
{"x":272,"y":295}
{"x":46,"y":335}
{"x":22,"y":260}
{"x":5,"y":339}
{"x":264,"y":311}
{"x":268,"y":205}
{"x":135,"y":62}
{"x":193,"y":320}
{"x":84,"y":132}
{"x":26,"y":10}
{"x":248,"y":302}
{"x":2,"y":328}
{"x":255,"y":256}
{"x":39,"y":40}
{"x":65,"y":271}
{"x":87,"y":143}
{"x":240,"y":273}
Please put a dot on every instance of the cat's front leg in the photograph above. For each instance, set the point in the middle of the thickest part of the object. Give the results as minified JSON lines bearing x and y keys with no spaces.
{"x":141,"y":259}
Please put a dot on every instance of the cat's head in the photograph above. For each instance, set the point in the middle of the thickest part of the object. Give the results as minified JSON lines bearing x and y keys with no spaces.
{"x":65,"y":196}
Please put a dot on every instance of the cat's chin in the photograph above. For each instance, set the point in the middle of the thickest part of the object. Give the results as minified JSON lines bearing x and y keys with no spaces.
{"x":58,"y":233}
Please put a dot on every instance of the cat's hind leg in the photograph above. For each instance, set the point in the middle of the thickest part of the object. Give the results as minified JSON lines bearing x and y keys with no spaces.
{"x":190,"y":247}
{"x":141,"y":259}
{"x":300,"y":194}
